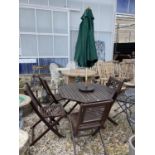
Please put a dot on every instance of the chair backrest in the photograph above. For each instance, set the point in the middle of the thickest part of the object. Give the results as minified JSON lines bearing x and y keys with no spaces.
{"x":105,"y":69}
{"x":47,"y":89}
{"x":99,"y":66}
{"x":71,"y":65}
{"x":116,"y":84}
{"x":109,"y":69}
{"x":92,"y":115}
{"x":94,"y":68}
{"x":43,"y":85}
{"x":129,"y":60}
{"x":54,"y":72}
{"x":35,"y":103}
{"x":127,"y":70}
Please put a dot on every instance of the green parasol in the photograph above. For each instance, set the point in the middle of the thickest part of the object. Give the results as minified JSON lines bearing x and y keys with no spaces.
{"x":85,"y":51}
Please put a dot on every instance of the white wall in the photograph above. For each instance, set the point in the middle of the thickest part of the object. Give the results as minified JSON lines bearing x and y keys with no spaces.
{"x":44,"y":33}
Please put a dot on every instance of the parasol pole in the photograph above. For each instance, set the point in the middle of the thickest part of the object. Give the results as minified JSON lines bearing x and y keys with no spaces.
{"x":86,"y":77}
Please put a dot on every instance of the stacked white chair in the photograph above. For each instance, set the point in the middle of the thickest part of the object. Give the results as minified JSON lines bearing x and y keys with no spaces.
{"x":55,"y":75}
{"x":71,"y":65}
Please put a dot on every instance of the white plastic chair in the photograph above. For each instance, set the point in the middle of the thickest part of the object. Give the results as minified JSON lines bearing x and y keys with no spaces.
{"x":71,"y":65}
{"x":55,"y":75}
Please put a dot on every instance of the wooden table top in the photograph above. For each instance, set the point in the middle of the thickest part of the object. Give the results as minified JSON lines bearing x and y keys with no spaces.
{"x":100,"y":93}
{"x":79,"y":73}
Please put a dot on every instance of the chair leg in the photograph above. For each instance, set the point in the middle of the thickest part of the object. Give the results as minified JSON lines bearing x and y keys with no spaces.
{"x":32,"y":134}
{"x":34,"y":141}
{"x":105,"y":153}
{"x":120,"y":106}
{"x":32,"y":127}
{"x":74,"y":144}
{"x":72,"y":136}
{"x":66,"y":103}
{"x":56,"y":121}
{"x":116,"y":109}
{"x":50,"y":127}
{"x":72,"y":108}
{"x":54,"y":130}
{"x":53,"y":120}
{"x":96,"y":131}
{"x":118,"y":114}
{"x":131,"y":127}
{"x":123,"y":109}
{"x":57,"y":133}
{"x":36,"y":124}
{"x":112,"y":121}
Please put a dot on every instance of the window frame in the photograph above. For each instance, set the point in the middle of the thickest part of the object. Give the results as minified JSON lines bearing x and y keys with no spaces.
{"x":67,"y":34}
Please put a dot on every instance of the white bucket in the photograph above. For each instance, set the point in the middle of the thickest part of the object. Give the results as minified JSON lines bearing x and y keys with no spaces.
{"x":132,"y":145}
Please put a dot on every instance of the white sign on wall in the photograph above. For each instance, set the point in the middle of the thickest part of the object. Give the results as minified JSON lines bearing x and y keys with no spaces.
{"x":27,"y":61}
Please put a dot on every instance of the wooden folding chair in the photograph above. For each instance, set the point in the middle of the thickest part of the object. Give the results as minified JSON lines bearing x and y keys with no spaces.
{"x":49,"y":115}
{"x":57,"y":97}
{"x":53,"y":98}
{"x":116,"y":84}
{"x":91,"y":116}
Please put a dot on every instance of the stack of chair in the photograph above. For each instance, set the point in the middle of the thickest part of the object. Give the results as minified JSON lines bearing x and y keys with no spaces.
{"x":126,"y":70}
{"x":105,"y":70}
{"x":129,"y":60}
{"x":97,"y":69}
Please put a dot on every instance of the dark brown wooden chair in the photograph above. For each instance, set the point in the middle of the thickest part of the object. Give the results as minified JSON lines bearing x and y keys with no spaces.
{"x":53,"y":98}
{"x":117,"y":85}
{"x":49,"y":115}
{"x":91,"y":116}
